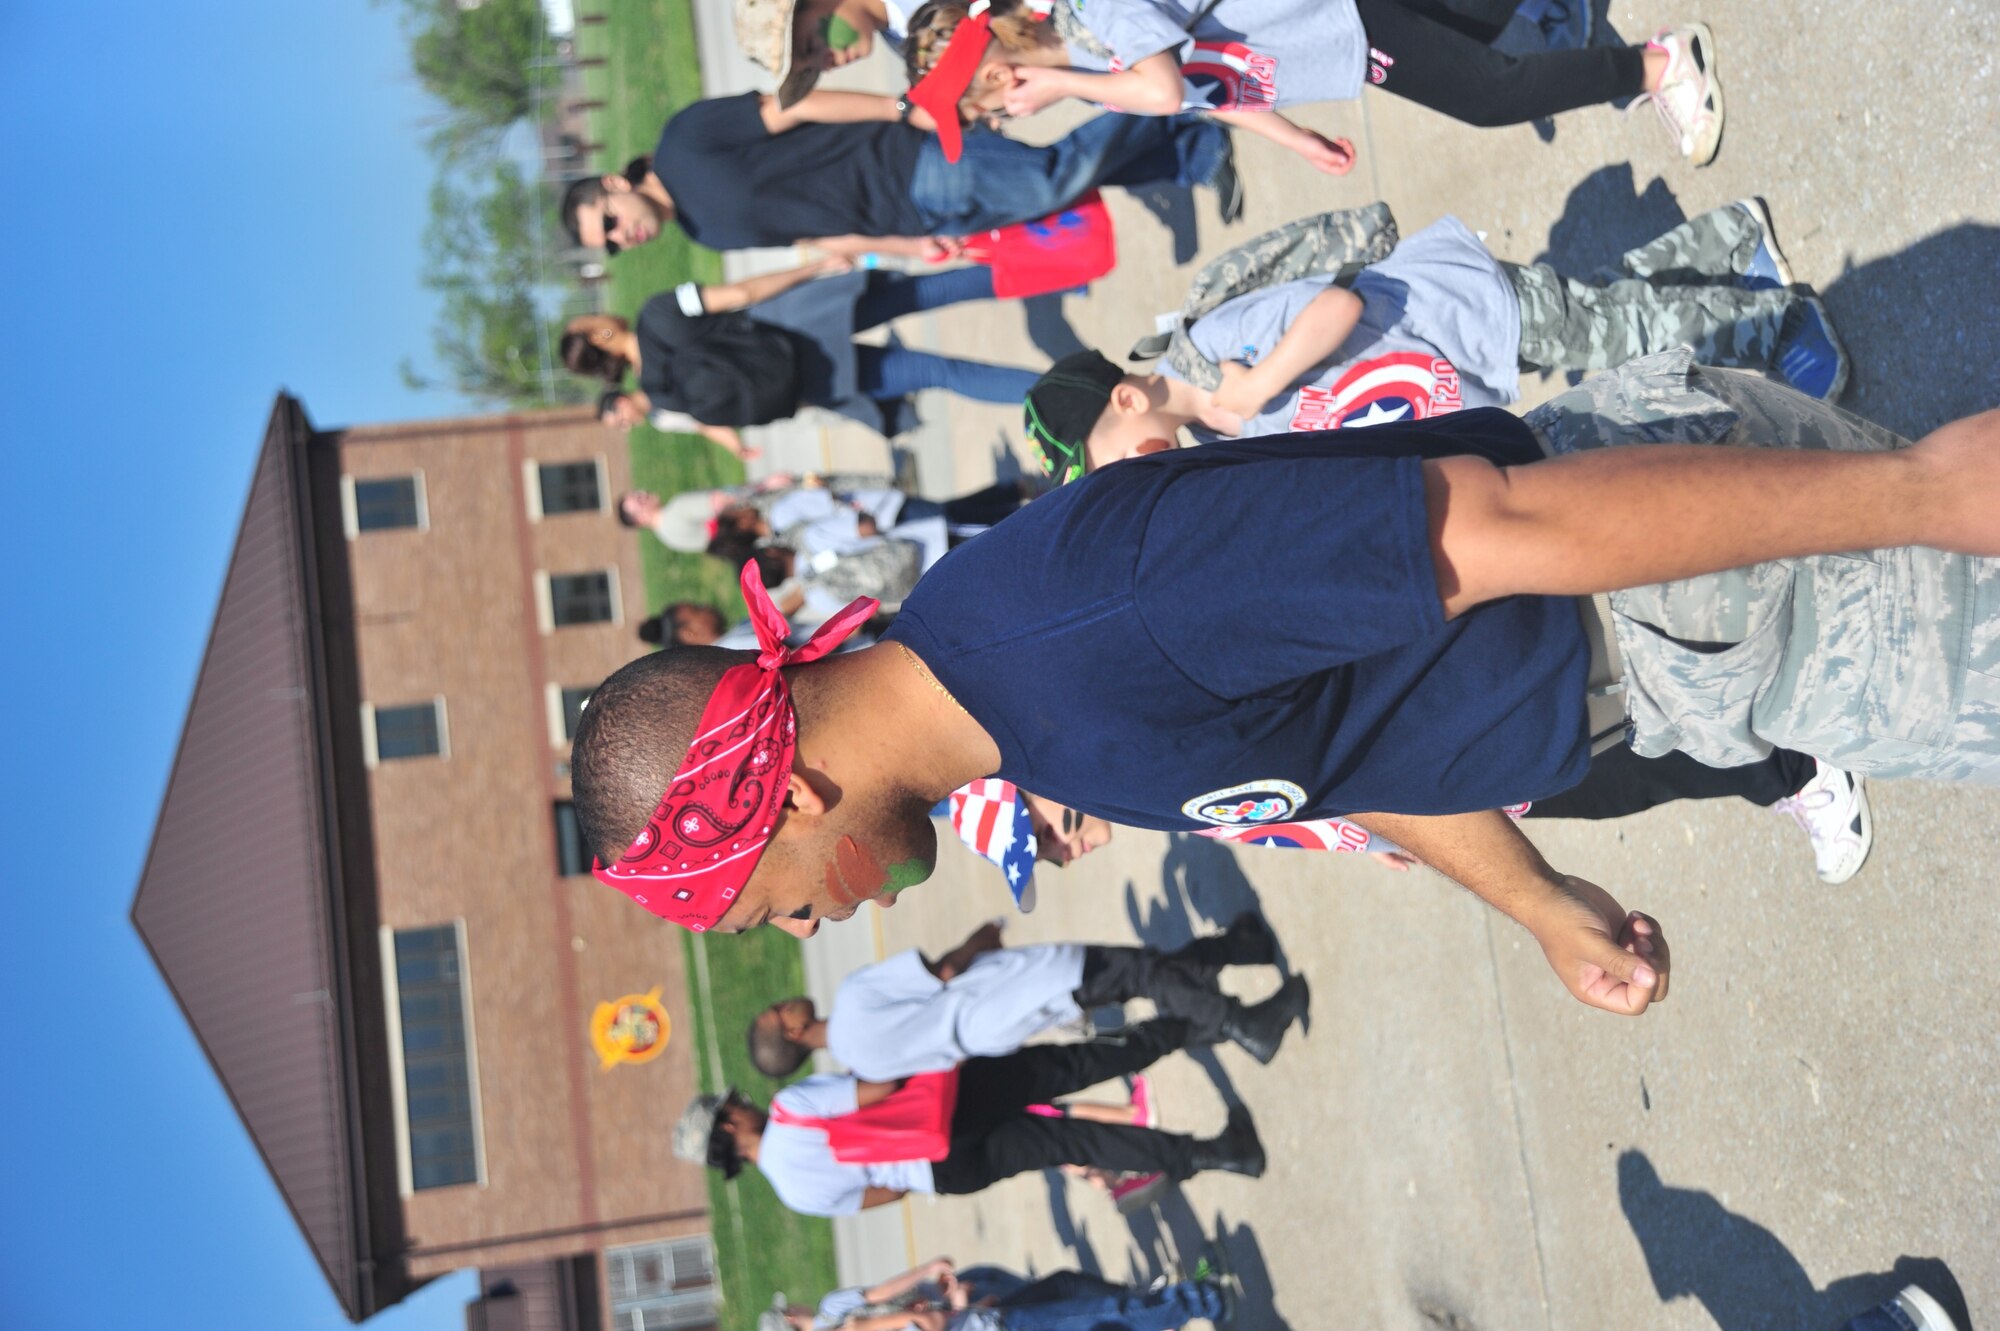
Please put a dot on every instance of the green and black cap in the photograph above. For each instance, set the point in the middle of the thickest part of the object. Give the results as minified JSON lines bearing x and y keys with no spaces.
{"x":1062,"y":409}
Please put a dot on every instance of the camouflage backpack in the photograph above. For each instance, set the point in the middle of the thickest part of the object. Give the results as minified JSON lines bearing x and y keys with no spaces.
{"x":1338,"y":243}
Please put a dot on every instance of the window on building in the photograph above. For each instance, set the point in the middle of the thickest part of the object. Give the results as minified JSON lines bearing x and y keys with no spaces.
{"x":572,"y":856}
{"x":383,"y":503}
{"x":413,"y":731}
{"x":440,"y":1117}
{"x":568,"y":599}
{"x":664,"y":1286}
{"x":565,"y":710}
{"x":569,"y":487}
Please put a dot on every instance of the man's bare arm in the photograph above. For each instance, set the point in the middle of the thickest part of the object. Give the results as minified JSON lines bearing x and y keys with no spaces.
{"x":880,"y":1197}
{"x":1605,"y":956}
{"x":1624,"y":517}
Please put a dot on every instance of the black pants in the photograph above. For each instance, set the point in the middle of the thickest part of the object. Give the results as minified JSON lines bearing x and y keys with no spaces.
{"x":1180,"y":984}
{"x":1621,"y":782}
{"x":1438,"y":53}
{"x":993,"y":1137}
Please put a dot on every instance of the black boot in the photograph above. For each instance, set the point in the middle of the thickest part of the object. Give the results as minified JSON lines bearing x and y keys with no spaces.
{"x":1259,"y":1030}
{"x":1248,"y":941}
{"x":1234,"y":1150}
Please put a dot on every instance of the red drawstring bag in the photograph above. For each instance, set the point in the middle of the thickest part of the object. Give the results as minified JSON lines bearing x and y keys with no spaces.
{"x":912,"y":1122}
{"x":1057,"y":253}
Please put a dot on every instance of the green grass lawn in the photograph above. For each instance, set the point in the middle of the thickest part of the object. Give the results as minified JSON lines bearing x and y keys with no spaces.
{"x":651,"y":71}
{"x":760,"y":1247}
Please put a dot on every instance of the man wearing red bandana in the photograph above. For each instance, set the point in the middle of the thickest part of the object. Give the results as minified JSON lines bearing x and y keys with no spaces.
{"x":1447,"y":659}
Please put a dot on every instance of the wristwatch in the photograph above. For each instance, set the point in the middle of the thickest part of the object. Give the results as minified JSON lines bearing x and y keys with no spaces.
{"x":903,"y":108}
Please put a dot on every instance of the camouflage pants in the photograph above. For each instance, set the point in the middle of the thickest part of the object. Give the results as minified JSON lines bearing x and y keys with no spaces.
{"x":1678,"y":290}
{"x":1879,"y":661}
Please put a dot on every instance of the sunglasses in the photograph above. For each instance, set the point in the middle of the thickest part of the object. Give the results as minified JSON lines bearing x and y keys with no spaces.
{"x":1061,"y":462}
{"x":607,"y":221}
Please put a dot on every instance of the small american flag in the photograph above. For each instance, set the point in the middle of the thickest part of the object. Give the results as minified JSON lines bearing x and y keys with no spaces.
{"x":990,"y":816}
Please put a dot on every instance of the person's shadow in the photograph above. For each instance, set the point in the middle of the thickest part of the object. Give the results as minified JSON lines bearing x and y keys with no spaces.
{"x":1742,"y":1273}
{"x":1919,"y":327}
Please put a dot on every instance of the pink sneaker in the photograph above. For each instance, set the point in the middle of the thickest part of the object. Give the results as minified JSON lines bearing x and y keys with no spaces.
{"x":1047,"y":1111}
{"x":1689,"y":98}
{"x":1145,"y":1110}
{"x":1135,"y":1192}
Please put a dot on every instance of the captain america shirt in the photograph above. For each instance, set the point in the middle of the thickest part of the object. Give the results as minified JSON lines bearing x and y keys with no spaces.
{"x":1246,"y":55}
{"x":1250,"y":633}
{"x":1440,"y":331}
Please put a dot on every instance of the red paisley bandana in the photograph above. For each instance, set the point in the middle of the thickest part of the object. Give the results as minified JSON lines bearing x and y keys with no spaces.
{"x":712,"y":825}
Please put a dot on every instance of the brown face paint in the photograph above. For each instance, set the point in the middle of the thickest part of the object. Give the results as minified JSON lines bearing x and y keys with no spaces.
{"x":855,"y":875}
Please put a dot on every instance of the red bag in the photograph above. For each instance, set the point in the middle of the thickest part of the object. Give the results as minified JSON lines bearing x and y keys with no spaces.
{"x":1057,"y":253}
{"x":912,"y":1122}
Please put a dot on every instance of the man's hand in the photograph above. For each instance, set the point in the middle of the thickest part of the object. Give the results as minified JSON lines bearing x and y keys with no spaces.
{"x":1608,"y":957}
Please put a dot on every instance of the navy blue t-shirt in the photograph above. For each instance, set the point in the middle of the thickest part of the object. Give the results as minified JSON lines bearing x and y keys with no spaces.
{"x":735,"y":185}
{"x":1250,"y":632}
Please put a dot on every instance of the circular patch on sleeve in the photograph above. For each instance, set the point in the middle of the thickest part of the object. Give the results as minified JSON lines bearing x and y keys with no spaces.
{"x":1251,"y":802}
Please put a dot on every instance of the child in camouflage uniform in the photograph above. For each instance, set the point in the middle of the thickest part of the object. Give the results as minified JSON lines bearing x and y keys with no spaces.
{"x":1442,"y":325}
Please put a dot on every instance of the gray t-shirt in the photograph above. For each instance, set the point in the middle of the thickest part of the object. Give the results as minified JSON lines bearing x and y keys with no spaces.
{"x":800,"y":1165}
{"x":895,"y":1019}
{"x":1440,"y":330}
{"x":1244,"y":55}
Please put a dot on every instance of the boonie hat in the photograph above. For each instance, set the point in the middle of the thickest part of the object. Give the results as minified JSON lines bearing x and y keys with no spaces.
{"x":773,"y":1317}
{"x":697,"y":1126}
{"x":764,"y":31}
{"x":1062,"y":409}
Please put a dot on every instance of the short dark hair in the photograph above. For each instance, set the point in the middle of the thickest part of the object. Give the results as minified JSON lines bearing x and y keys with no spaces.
{"x":772,"y":1052}
{"x":653,"y":629}
{"x":669,"y":612}
{"x":632,"y":738}
{"x":584,"y":193}
{"x":721,"y":1141}
{"x":774,"y":564}
{"x":608,"y":400}
{"x":582,"y":356}
{"x":734,"y":548}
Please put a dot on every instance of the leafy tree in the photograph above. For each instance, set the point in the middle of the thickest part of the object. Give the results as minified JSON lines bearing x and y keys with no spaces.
{"x":480,"y":62}
{"x":480,"y":257}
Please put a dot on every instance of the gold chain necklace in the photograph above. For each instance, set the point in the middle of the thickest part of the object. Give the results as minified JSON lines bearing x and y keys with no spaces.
{"x":929,"y":678}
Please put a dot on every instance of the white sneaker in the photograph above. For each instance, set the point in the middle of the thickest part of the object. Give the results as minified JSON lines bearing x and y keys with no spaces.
{"x":1923,"y":1311}
{"x":1689,"y":98}
{"x":1833,"y":810}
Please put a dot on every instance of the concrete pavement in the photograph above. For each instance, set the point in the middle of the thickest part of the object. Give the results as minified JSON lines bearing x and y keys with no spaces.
{"x":1811,"y":1119}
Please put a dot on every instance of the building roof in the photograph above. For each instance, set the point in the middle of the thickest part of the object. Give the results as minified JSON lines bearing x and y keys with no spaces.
{"x":242,"y":902}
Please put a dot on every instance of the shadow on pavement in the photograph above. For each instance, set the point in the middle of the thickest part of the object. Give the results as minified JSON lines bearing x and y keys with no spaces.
{"x":1742,"y":1273}
{"x":1069,"y":1233}
{"x":1049,"y":328}
{"x":1607,"y":214}
{"x":1174,"y":206}
{"x":1920,"y":330}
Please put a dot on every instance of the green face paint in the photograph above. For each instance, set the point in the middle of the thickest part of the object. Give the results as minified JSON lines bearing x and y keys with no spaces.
{"x":907,"y":874}
{"x":839,"y":33}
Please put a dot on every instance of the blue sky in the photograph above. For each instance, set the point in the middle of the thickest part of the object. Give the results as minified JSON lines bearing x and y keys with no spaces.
{"x":204,"y":203}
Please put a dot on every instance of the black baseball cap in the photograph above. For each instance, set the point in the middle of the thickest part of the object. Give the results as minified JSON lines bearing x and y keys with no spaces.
{"x":1063,"y":408}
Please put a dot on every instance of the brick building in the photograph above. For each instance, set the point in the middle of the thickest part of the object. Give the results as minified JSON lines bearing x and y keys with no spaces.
{"x":451,"y":1047}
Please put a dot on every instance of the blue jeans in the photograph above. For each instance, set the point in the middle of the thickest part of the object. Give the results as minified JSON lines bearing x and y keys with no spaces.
{"x":891,"y":372}
{"x":999,"y":181}
{"x":890,"y":295}
{"x":894,"y":371}
{"x":1073,"y":1301}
